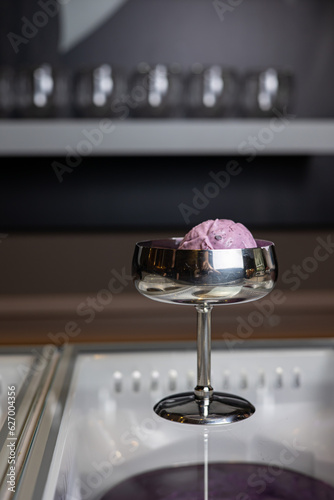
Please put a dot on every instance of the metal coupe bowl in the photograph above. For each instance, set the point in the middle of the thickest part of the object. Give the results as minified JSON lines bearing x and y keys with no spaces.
{"x":163,"y":272}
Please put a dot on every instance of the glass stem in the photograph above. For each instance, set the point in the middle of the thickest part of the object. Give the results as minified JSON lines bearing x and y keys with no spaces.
{"x":203,"y":390}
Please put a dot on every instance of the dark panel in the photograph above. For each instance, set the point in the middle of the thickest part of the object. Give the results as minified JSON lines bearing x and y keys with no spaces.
{"x":29,"y":35}
{"x":162,"y":192}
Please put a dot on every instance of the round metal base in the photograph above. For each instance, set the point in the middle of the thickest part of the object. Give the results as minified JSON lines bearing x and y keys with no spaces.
{"x":220,"y":409}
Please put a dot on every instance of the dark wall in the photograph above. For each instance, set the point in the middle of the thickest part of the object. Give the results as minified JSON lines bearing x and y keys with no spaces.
{"x":20,"y":42}
{"x":163,"y":192}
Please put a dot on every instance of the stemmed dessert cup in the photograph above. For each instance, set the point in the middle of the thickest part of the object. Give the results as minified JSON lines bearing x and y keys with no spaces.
{"x":203,"y":278}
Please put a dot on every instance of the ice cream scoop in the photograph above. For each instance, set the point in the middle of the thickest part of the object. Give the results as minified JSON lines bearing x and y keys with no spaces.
{"x":218,"y":234}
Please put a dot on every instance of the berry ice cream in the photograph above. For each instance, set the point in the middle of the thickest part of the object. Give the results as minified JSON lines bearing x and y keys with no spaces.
{"x":218,"y":234}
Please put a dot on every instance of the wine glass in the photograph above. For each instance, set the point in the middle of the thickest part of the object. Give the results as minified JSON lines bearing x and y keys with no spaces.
{"x":265,"y":91}
{"x":203,"y":278}
{"x":97,"y":89}
{"x":211,"y":91}
{"x":157,"y":90}
{"x":42,"y":91}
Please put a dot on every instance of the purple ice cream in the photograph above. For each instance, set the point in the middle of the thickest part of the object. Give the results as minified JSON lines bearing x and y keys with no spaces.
{"x":218,"y":234}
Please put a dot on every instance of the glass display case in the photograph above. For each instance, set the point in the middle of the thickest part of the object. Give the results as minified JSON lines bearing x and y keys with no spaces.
{"x":26,"y":373}
{"x":98,"y":429}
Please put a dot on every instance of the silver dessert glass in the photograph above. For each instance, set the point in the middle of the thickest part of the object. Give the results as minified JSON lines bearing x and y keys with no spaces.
{"x":203,"y":278}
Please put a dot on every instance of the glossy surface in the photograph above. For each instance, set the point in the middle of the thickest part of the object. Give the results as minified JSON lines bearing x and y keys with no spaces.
{"x":203,"y":278}
{"x":164,"y":273}
{"x":220,"y":409}
{"x":226,"y":481}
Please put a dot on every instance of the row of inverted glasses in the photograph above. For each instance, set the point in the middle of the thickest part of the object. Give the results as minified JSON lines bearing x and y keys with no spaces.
{"x":150,"y":91}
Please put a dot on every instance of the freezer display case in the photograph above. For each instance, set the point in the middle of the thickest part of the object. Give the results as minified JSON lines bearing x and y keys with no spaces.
{"x":97,"y":436}
{"x":25,"y":376}
{"x":14,"y":368}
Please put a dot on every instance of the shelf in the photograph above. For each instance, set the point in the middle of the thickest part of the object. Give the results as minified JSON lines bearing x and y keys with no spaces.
{"x":94,"y":137}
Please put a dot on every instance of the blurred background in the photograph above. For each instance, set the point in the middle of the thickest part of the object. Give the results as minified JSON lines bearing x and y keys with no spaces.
{"x":124,"y":120}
